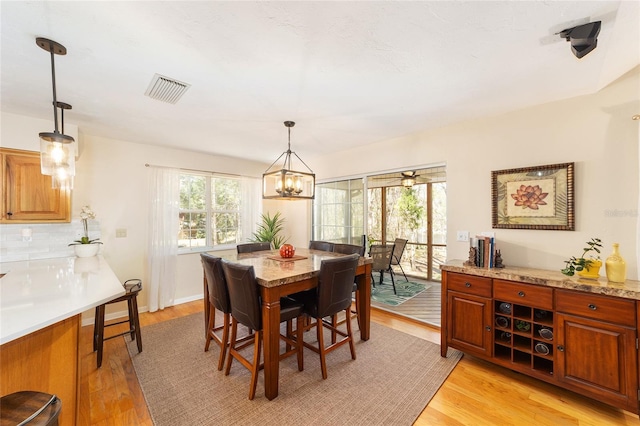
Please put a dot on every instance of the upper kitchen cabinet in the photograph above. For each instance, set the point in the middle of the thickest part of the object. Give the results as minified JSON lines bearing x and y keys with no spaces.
{"x":27,"y":195}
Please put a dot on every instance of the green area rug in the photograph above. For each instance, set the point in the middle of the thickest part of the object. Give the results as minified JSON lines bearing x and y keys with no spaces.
{"x":405,"y":289}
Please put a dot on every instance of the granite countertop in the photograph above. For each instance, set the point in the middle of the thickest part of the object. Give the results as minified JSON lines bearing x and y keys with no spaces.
{"x":629,"y":289}
{"x":278,"y":271}
{"x":36,"y":294}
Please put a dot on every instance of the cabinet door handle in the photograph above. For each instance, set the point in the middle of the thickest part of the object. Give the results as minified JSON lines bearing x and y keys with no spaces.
{"x":488,"y":328}
{"x":9,"y":214}
{"x":592,"y":306}
{"x":521,"y":293}
{"x":467,"y":285}
{"x":561,"y":348}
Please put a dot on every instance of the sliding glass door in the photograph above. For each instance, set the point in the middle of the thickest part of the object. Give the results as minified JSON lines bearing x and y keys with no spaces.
{"x":338,"y":211}
{"x":409,"y":205}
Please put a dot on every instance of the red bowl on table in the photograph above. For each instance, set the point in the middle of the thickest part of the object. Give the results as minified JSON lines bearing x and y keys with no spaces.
{"x":287,"y":251}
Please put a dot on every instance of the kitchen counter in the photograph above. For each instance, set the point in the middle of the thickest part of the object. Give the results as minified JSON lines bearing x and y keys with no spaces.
{"x":39,"y":293}
{"x":630,"y":289}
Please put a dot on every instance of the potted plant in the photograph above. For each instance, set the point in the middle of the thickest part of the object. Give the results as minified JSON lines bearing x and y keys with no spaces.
{"x":270,"y":230}
{"x":585,"y":267}
{"x":84,"y":247}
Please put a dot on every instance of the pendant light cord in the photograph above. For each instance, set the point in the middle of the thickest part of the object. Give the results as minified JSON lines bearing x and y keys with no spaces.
{"x":55,"y":101}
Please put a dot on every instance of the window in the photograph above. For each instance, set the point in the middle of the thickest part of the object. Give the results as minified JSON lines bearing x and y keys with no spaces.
{"x":338,"y":211}
{"x":210,"y":211}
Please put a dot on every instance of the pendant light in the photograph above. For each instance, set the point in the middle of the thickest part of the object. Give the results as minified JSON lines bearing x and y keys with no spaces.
{"x":57,"y":150}
{"x":285,"y":183}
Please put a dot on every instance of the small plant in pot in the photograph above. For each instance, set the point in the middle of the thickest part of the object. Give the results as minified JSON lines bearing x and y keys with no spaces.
{"x":84,"y":247}
{"x":585,"y":267}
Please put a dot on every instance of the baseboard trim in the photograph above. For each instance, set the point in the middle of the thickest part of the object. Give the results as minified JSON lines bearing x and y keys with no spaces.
{"x":141,"y":309}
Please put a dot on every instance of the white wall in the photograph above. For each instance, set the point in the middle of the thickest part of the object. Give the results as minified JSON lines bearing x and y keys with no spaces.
{"x":111,"y":177}
{"x":21,"y":132}
{"x":595,"y":131}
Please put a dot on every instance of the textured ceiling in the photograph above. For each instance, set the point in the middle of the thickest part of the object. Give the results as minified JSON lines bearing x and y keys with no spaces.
{"x":348,"y":73}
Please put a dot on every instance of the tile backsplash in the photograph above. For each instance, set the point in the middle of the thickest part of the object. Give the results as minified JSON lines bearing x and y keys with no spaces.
{"x":27,"y":241}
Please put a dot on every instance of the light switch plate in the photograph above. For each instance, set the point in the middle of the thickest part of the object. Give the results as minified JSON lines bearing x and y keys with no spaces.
{"x":121,"y":233}
{"x":462,"y":236}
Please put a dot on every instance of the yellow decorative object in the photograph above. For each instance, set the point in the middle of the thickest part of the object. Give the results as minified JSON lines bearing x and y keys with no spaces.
{"x":591,"y":270}
{"x":615,"y":266}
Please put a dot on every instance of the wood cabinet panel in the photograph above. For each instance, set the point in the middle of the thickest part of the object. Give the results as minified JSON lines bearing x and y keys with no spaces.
{"x":605,"y":308}
{"x":46,"y":360}
{"x":27,"y":195}
{"x":525,"y":294}
{"x":469,"y":323}
{"x":599,"y":358}
{"x":469,"y":284}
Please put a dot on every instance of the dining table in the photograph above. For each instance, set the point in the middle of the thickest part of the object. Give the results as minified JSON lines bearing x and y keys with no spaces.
{"x":279,"y":277}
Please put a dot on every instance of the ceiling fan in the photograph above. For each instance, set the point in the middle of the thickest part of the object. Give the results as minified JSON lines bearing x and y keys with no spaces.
{"x":407,"y":179}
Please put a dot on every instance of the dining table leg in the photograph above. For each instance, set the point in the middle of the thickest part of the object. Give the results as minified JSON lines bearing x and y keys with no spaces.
{"x":271,"y":337}
{"x":364,"y":302}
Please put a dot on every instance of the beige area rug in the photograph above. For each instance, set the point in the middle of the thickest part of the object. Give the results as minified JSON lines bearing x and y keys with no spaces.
{"x":393,"y":378}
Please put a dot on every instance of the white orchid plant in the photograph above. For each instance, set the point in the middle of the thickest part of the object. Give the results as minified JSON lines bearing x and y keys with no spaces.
{"x":85,"y":214}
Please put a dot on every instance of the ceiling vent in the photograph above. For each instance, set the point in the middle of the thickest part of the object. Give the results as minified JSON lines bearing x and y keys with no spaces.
{"x":166,"y":89}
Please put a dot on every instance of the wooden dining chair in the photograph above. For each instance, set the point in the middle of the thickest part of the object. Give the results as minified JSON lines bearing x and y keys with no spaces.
{"x":246,"y":304}
{"x":331,"y":296}
{"x":30,"y":407}
{"x":382,"y":256}
{"x":320,"y":245}
{"x":132,"y":287}
{"x":251,"y":247}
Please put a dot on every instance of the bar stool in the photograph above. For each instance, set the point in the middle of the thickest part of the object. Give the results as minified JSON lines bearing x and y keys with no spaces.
{"x":132,"y":288}
{"x":30,"y":407}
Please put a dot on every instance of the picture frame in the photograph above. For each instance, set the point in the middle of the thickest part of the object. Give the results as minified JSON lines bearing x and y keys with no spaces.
{"x":538,"y":197}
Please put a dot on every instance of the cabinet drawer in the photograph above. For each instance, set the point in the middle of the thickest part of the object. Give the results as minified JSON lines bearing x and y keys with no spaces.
{"x":524,"y":294}
{"x":605,"y":308}
{"x":469,"y":284}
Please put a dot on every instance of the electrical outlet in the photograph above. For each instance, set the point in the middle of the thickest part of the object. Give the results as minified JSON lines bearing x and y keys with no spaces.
{"x":121,"y":233}
{"x":462,"y":236}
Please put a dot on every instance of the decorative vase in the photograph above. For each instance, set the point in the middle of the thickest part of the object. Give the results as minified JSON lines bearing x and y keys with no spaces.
{"x":86,"y":250}
{"x":615,"y":266}
{"x":592,"y":270}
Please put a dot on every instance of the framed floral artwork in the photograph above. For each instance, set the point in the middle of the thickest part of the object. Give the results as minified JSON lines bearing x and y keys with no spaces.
{"x":539,"y":197}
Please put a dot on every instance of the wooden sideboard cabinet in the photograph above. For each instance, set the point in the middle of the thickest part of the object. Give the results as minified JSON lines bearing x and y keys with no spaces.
{"x":27,"y":195}
{"x":581,"y":341}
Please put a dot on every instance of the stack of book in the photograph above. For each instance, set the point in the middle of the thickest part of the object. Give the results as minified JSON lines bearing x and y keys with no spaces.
{"x":485,"y":249}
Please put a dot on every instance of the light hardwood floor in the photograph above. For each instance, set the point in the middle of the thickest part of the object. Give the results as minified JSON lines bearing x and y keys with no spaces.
{"x":476,"y":392}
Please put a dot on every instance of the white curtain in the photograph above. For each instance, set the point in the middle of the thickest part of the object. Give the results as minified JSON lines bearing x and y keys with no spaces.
{"x":251,"y":208}
{"x":164,"y":225}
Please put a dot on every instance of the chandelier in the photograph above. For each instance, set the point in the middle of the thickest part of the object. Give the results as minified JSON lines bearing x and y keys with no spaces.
{"x":284,"y":182}
{"x":57,"y":150}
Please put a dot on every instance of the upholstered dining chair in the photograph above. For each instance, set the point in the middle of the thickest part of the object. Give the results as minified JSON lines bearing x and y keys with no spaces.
{"x":246,"y":303}
{"x":398,"y":250}
{"x":349,"y":249}
{"x":218,"y":300}
{"x":251,"y":247}
{"x":321,"y":245}
{"x":382,"y":256}
{"x":331,"y":296}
